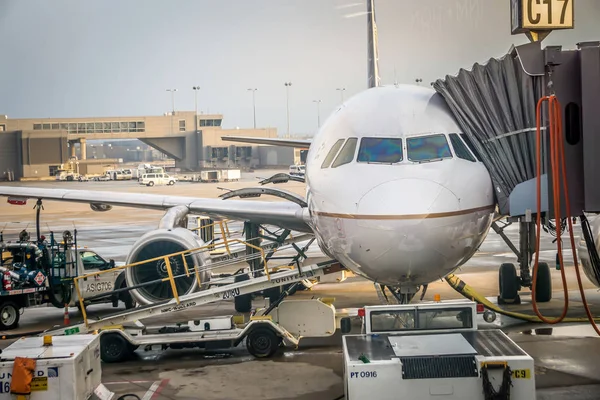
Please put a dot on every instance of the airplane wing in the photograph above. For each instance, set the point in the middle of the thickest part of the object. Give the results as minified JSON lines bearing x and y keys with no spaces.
{"x":299,"y":143}
{"x":283,"y":214}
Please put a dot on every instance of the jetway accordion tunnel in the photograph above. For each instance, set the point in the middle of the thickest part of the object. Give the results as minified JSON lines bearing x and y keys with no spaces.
{"x":529,"y":149}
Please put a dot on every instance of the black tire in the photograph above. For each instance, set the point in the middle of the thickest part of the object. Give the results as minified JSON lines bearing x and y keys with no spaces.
{"x":127,"y":298}
{"x":9,"y":315}
{"x":273,"y":294}
{"x":151,"y":183}
{"x":79,"y":307}
{"x":171,"y":183}
{"x":262,"y":342}
{"x":114,"y":348}
{"x":70,"y":178}
{"x":508,"y":284}
{"x":543,"y":287}
{"x":243,"y":303}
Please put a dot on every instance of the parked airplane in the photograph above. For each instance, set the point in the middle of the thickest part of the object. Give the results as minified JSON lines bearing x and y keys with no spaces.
{"x":393,"y":191}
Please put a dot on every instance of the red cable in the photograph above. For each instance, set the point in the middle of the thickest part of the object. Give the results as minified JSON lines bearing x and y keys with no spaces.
{"x":553,"y":119}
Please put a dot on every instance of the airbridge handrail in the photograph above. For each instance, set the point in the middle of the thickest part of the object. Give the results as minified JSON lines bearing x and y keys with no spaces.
{"x":166,"y":258}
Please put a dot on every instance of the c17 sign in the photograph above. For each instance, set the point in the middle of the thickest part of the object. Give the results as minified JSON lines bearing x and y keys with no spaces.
{"x":541,"y":15}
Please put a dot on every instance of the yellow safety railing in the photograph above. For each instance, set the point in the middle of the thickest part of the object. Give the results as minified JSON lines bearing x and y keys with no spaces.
{"x":166,"y":258}
{"x":224,"y":230}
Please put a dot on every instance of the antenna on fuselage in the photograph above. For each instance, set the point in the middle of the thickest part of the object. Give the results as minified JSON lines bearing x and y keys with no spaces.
{"x":373,"y":48}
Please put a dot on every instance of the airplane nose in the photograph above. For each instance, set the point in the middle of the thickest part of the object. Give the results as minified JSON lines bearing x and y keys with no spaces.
{"x":407,"y":198}
{"x":402,"y":235}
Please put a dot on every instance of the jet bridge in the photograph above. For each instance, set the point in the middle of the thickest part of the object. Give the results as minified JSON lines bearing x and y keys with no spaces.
{"x":497,"y":106}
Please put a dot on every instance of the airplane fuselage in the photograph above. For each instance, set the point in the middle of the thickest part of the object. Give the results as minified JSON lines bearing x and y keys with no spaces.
{"x":396,"y":203}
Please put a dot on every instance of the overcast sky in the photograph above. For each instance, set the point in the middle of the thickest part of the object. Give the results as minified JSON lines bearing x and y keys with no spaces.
{"x":78,"y":58}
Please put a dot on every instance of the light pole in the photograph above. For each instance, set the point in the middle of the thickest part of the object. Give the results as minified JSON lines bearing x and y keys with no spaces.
{"x":172,"y":105}
{"x":287,"y":89}
{"x":318,"y":112}
{"x":253,"y":90}
{"x":341,"y":90}
{"x":196,"y":88}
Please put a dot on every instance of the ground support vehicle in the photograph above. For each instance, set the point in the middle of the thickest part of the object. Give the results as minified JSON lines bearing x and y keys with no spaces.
{"x":281,"y":323}
{"x":433,"y":351}
{"x":40,"y":272}
{"x":66,"y":368}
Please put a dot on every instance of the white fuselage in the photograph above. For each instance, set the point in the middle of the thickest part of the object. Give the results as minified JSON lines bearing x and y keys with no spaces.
{"x":401,"y":223}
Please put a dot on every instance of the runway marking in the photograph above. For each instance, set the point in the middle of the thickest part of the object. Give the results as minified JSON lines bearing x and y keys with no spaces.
{"x":155,"y":390}
{"x":152,"y":391}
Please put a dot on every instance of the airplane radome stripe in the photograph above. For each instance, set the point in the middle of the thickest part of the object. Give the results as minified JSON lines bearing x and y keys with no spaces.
{"x":406,"y":216}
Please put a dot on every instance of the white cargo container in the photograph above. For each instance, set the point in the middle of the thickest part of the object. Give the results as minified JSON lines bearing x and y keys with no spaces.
{"x":230,"y":175}
{"x":210,"y":176}
{"x":68,"y":369}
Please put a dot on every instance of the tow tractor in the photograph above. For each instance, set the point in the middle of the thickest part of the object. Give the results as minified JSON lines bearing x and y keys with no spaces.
{"x":432,"y":350}
{"x":36,"y":272}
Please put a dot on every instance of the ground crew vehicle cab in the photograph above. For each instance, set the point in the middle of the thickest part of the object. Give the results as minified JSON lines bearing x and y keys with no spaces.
{"x":37,"y":272}
{"x":92,"y":262}
{"x":157,"y":179}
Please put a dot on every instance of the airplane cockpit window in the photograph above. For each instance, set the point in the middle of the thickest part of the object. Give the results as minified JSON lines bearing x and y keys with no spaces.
{"x":346,"y":154}
{"x":428,"y":148}
{"x":334,"y":149}
{"x":470,"y":145}
{"x":460,"y":148}
{"x":380,"y":150}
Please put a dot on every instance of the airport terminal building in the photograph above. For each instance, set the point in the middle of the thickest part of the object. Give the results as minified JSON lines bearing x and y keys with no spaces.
{"x":37,"y":147}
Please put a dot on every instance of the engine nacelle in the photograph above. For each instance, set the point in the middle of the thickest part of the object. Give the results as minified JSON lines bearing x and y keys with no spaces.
{"x":159,"y":243}
{"x":584,"y":255}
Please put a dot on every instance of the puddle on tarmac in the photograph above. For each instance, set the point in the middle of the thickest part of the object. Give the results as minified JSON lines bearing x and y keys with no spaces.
{"x":579,"y":330}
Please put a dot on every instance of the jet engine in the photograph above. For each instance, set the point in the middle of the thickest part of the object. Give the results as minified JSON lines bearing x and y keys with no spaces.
{"x":158,"y":243}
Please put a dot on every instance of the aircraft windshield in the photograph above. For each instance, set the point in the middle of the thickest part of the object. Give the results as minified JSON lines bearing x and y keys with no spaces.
{"x":380,"y":150}
{"x":428,"y":148}
{"x":332,"y":153}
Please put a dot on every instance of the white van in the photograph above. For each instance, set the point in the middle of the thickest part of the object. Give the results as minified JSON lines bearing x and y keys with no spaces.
{"x":297,"y":170}
{"x":157,"y":179}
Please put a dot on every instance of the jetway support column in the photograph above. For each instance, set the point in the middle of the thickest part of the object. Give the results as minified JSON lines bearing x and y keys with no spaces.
{"x":72,"y":149}
{"x":83,"y":150}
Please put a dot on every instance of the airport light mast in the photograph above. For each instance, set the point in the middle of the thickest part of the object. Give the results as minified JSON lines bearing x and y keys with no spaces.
{"x":318,"y":112}
{"x":341,"y":90}
{"x":253,"y":90}
{"x":195,"y":89}
{"x":172,"y":106}
{"x":287,"y":87}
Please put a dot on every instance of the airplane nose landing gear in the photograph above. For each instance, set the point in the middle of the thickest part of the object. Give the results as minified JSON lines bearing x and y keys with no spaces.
{"x":509,"y":282}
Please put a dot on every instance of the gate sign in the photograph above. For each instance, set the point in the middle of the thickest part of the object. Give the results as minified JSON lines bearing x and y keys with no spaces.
{"x":541,"y":15}
{"x":39,"y":278}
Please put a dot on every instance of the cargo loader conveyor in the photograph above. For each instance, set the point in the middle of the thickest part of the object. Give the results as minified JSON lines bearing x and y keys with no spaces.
{"x":280,"y":323}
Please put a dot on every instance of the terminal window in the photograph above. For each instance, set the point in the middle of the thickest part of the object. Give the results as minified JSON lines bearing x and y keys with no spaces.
{"x":2,"y":128}
{"x":182,"y":125}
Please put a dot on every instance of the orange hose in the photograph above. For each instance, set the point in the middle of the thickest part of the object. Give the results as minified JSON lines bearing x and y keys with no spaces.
{"x":558,"y":163}
{"x":556,"y":195}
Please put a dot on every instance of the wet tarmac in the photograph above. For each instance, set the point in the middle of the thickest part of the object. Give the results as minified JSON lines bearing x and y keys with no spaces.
{"x":565,"y":357}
